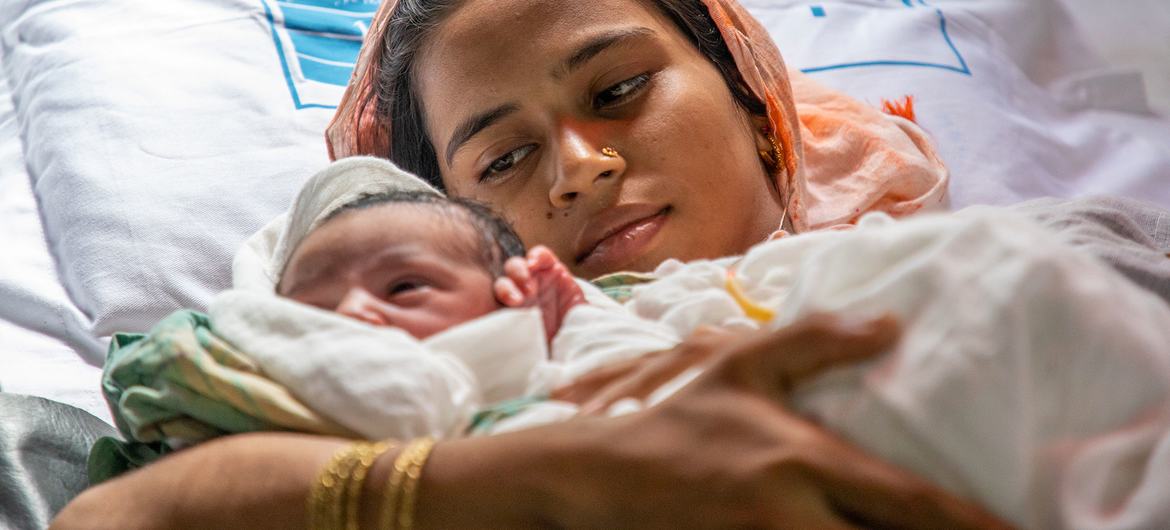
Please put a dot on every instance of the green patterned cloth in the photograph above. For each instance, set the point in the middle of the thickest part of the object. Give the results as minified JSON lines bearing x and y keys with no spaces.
{"x":620,"y":285}
{"x":486,"y":419}
{"x":181,"y":384}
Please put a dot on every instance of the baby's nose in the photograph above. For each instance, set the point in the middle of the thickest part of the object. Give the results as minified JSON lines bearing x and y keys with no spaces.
{"x":359,"y":304}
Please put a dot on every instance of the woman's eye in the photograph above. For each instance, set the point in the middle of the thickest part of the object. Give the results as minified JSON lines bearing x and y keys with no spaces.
{"x":620,"y":92}
{"x":506,"y":162}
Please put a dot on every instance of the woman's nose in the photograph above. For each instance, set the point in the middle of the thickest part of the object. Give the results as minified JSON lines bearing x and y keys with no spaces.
{"x":583,"y":165}
{"x":358,"y":303}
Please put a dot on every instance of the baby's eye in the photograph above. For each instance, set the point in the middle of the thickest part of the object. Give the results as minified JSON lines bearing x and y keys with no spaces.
{"x":618,"y":93}
{"x":402,"y":287}
{"x":506,"y":162}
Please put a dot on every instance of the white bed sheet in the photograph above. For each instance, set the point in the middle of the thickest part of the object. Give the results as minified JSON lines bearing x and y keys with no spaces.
{"x":36,"y":316}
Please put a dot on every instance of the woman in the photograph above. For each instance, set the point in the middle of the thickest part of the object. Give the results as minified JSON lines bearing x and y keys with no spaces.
{"x":619,"y":133}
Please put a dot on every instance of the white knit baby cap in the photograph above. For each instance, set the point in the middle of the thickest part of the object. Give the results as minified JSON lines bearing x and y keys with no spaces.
{"x":258,"y":264}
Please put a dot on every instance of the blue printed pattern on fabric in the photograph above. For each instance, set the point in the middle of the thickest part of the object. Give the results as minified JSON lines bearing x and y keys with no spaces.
{"x":318,"y":43}
{"x":868,"y":34}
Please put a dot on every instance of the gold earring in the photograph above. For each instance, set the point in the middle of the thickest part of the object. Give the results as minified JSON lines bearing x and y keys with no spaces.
{"x":609,"y":152}
{"x":768,"y":157}
{"x":773,"y":158}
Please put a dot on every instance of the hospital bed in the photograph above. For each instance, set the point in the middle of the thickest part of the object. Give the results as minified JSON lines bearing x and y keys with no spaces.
{"x":142,"y":141}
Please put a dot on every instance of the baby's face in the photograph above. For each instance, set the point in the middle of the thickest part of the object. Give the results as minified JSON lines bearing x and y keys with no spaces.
{"x":409,"y":266}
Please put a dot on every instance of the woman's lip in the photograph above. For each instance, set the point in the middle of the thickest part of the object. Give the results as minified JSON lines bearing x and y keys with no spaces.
{"x":625,"y":243}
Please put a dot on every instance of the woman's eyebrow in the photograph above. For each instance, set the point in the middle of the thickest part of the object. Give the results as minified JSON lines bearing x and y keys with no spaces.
{"x":474,"y":125}
{"x":598,"y":44}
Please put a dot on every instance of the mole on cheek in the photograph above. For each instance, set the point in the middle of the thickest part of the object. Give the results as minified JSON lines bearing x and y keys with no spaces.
{"x":548,"y":216}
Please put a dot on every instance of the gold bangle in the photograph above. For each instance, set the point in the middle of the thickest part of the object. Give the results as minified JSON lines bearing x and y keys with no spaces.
{"x":325,"y":497}
{"x":335,"y":498}
{"x":410,"y":488}
{"x":365,"y":455}
{"x":402,"y":486}
{"x":388,"y":518}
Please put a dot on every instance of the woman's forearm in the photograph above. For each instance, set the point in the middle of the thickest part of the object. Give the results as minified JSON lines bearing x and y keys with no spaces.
{"x":262,"y":481}
{"x":504,"y":481}
{"x":256,"y":481}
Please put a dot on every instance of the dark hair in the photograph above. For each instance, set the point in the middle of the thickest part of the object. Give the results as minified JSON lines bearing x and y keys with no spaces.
{"x":413,"y":20}
{"x":497,"y":242}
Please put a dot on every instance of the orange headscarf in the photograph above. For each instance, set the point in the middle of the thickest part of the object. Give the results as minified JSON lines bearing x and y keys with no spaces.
{"x":841,"y":158}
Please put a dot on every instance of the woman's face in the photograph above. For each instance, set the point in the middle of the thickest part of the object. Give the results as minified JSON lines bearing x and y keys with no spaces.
{"x":522,"y":98}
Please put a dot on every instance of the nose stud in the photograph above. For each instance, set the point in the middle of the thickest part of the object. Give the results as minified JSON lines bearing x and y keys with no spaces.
{"x":609,"y":152}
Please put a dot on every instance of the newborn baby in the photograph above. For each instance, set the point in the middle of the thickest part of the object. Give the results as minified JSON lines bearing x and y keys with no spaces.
{"x":402,"y":313}
{"x":423,"y":263}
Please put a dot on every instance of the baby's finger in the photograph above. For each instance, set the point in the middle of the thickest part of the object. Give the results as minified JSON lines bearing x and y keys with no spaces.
{"x":507,"y":293}
{"x":541,"y":257}
{"x":517,"y":269}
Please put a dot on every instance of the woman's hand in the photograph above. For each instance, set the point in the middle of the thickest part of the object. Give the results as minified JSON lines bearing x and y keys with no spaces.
{"x":724,"y":452}
{"x":638,"y":378}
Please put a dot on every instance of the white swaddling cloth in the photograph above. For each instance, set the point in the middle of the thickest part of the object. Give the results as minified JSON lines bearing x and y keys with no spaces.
{"x":1030,"y":377}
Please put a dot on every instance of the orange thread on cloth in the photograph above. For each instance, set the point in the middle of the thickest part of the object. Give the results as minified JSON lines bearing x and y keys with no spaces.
{"x":903,"y":108}
{"x":753,"y":310}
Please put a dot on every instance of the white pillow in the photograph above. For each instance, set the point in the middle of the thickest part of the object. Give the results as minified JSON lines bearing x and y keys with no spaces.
{"x":160,"y":134}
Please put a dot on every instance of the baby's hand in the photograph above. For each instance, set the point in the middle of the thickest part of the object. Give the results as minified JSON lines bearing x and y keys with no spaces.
{"x":540,"y":280}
